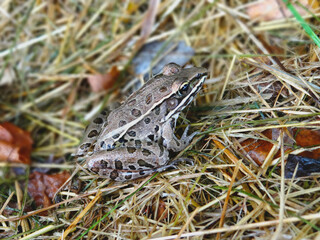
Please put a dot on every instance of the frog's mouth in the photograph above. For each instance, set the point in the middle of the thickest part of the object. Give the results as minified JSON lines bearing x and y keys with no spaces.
{"x":186,"y":100}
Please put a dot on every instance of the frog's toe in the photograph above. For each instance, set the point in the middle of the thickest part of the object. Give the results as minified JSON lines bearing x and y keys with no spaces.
{"x":185,"y":160}
{"x":185,"y":133}
{"x":187,"y":139}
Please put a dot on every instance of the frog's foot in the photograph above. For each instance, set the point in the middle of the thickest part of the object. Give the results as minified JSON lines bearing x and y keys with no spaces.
{"x":182,"y":160}
{"x":185,"y":138}
{"x":178,"y":145}
{"x":174,"y":164}
{"x":125,"y":175}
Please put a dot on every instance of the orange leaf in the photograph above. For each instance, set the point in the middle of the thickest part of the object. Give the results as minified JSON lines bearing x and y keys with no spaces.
{"x":42,"y":187}
{"x":99,"y":82}
{"x":15,"y":144}
{"x":273,"y":9}
{"x":258,"y":150}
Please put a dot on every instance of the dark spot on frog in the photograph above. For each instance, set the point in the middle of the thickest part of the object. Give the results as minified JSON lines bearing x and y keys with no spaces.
{"x":114,"y":174}
{"x":163,"y":89}
{"x":146,"y":152}
{"x":151,"y":137}
{"x":138,"y":143}
{"x":122,"y":123}
{"x":147,"y":120}
{"x":103,"y":145}
{"x":128,"y":175}
{"x":98,"y":120}
{"x":149,"y":98}
{"x":118,"y":165}
{"x":132,"y":133}
{"x":132,"y":167}
{"x":131,"y":149}
{"x":156,"y":128}
{"x":143,"y":163}
{"x":136,"y":112}
{"x":94,"y":169}
{"x":103,"y":164}
{"x":142,"y":173}
{"x":84,"y":146}
{"x":105,"y":124}
{"x":122,"y":140}
{"x":132,"y":102}
{"x":149,"y":143}
{"x":93,"y":133}
{"x":116,"y":136}
{"x":157,"y":110}
{"x":104,"y":112}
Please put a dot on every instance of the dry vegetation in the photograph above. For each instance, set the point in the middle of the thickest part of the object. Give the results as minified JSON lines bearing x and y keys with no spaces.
{"x":264,"y":74}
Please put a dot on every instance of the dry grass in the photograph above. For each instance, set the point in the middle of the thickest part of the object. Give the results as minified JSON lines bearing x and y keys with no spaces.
{"x":48,"y":48}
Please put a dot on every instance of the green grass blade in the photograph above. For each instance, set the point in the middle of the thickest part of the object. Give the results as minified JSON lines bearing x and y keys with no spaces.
{"x":302,"y":22}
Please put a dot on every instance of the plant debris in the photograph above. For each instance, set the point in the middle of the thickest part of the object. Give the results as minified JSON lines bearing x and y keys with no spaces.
{"x":15,"y":144}
{"x":42,"y":187}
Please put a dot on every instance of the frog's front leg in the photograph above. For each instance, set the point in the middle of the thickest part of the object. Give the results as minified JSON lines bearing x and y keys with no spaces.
{"x":171,"y":142}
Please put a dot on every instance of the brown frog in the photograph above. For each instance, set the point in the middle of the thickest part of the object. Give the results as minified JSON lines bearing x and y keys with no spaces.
{"x":134,"y":140}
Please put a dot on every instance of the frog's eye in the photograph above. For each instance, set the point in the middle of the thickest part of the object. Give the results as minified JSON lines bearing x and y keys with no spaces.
{"x":184,"y":88}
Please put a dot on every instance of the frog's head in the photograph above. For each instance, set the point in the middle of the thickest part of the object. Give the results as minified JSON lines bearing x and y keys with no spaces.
{"x":185,"y":84}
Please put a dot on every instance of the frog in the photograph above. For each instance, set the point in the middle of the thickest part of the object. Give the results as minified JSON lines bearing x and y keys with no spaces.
{"x":137,"y":138}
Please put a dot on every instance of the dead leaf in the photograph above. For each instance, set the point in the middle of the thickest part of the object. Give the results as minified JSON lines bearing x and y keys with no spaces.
{"x":42,"y":187}
{"x":268,"y":10}
{"x":162,"y":212}
{"x":15,"y":144}
{"x":258,"y":150}
{"x":308,"y":138}
{"x":100,"y":82}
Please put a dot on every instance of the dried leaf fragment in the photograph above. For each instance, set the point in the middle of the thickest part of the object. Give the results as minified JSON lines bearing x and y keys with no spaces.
{"x":42,"y":187}
{"x":100,"y":82}
{"x":15,"y":144}
{"x":268,"y":10}
{"x":258,"y":150}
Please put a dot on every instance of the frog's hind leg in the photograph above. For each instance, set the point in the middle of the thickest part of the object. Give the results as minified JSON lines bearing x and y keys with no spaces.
{"x":125,"y":175}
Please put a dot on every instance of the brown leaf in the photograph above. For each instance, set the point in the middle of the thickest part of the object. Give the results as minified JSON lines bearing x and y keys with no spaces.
{"x":100,"y":82}
{"x":308,"y":138}
{"x":42,"y":187}
{"x":258,"y":150}
{"x":15,"y":144}
{"x":268,"y":10}
{"x":162,"y":213}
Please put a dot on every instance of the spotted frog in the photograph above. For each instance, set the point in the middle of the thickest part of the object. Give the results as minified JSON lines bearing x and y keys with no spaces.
{"x":135,"y":139}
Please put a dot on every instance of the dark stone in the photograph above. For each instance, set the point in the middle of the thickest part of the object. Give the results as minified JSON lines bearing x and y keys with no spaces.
{"x":306,"y":166}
